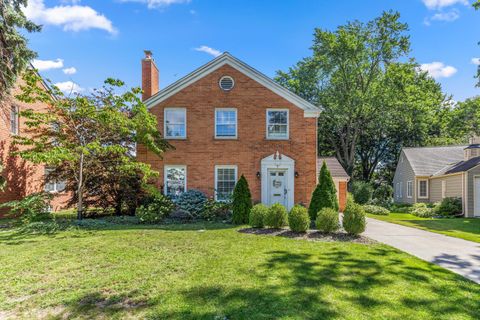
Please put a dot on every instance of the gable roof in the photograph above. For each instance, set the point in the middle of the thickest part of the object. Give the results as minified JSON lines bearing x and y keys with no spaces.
{"x":226,"y":58}
{"x":461,"y":166}
{"x":427,"y":161}
{"x":335,"y":168}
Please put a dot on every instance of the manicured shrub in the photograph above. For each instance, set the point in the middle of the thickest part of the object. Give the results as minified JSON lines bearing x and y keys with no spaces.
{"x":277,"y":216}
{"x":372,"y":209}
{"x":327,"y":220}
{"x":298,"y":219}
{"x":449,"y":207}
{"x":258,"y":215}
{"x":193,"y":202}
{"x":354,"y":221}
{"x":156,"y":210}
{"x":241,"y":201}
{"x":422,"y":210}
{"x":32,"y":208}
{"x":362,"y":192}
{"x":324,"y":195}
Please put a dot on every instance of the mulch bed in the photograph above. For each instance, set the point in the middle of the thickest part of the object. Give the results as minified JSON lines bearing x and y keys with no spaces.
{"x":311,"y":235}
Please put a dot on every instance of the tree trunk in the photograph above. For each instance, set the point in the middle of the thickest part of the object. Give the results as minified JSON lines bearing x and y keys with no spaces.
{"x":80,"y":190}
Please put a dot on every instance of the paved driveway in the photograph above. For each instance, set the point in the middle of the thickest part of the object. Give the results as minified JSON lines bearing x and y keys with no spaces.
{"x":458,"y":255}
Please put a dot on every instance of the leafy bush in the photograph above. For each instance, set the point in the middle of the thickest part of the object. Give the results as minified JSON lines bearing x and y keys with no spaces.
{"x":449,"y":207}
{"x":327,"y":220}
{"x":362,"y":192}
{"x":193,"y":202}
{"x":156,"y":210}
{"x":381,"y":211}
{"x":422,"y":210}
{"x":298,"y":219}
{"x":32,"y":208}
{"x":40,"y":227}
{"x":258,"y":215}
{"x":383,"y":194}
{"x":213,"y":210}
{"x":277,"y":216}
{"x":241,"y":201}
{"x":354,"y":221}
{"x":401,"y":208}
{"x":324,"y":195}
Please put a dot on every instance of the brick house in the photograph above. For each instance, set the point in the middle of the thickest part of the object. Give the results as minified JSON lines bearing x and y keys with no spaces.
{"x":22,"y":177}
{"x":226,"y":119}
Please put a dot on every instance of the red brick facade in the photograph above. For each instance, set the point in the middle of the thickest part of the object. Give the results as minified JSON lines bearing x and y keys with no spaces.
{"x":201,"y":151}
{"x":22,"y":177}
{"x":342,"y":194}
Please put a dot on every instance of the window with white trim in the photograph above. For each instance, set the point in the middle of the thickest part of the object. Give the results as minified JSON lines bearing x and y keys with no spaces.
{"x":53,"y":185}
{"x":401,"y":190}
{"x":423,"y":188}
{"x":175,"y":126}
{"x":226,"y":123}
{"x":277,"y":123}
{"x":409,"y":189}
{"x":175,"y":181}
{"x":14,"y":120}
{"x":225,"y":180}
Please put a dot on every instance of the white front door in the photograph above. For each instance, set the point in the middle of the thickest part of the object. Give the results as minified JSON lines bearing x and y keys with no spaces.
{"x":476,"y":196}
{"x":277,"y":185}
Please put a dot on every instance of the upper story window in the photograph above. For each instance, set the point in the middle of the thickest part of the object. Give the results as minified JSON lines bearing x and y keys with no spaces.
{"x":423,"y":188}
{"x":277,"y":124}
{"x":14,"y":120}
{"x":225,"y":123}
{"x":53,"y":185}
{"x":175,"y":181}
{"x":175,"y":126}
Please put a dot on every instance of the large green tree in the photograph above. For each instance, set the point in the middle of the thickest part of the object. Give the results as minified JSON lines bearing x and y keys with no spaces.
{"x":14,"y":52}
{"x":85,"y":137}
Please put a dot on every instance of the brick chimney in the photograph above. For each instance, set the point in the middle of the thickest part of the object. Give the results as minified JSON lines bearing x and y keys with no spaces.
{"x":473,"y":150}
{"x":149,"y":76}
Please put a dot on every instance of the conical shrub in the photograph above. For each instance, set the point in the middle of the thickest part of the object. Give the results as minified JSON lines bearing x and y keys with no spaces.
{"x":242,"y":201}
{"x":324,"y":195}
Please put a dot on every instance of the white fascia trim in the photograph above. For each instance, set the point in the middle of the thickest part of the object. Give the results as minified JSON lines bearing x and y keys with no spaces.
{"x":226,"y":58}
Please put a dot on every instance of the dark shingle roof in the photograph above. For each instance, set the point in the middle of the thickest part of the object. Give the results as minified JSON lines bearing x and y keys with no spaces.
{"x":428,"y":161}
{"x":335,"y":168}
{"x":463,"y":166}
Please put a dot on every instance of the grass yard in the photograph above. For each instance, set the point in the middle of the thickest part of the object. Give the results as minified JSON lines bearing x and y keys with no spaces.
{"x":464,"y":228}
{"x":211,"y":271}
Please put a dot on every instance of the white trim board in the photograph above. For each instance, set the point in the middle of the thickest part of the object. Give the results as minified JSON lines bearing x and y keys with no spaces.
{"x":310,"y":110}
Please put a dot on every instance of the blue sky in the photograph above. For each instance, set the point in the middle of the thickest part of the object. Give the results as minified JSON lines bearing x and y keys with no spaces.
{"x":85,"y":41}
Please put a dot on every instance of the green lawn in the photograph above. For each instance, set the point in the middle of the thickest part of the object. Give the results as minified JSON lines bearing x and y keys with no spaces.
{"x":186,"y":272}
{"x":464,"y":228}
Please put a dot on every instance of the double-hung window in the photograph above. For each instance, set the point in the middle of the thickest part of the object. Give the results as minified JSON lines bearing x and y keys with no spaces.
{"x":225,"y":180}
{"x":175,"y":126}
{"x":175,"y":181}
{"x":14,"y":120}
{"x":53,"y":185}
{"x":409,"y":189}
{"x":226,"y":123}
{"x":423,"y":189}
{"x":277,"y":124}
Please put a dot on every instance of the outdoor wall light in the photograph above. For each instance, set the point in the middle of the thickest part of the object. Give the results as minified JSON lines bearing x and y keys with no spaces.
{"x":258,"y":174}
{"x":296,"y":174}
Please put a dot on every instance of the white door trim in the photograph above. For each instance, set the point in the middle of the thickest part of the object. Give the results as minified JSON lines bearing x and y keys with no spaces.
{"x":278,"y":161}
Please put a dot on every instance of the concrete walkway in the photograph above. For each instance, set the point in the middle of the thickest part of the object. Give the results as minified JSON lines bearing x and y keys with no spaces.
{"x":458,"y":255}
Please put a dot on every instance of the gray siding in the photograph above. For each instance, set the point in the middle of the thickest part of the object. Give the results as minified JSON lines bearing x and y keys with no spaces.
{"x":470,"y":193}
{"x":453,"y":184}
{"x":403,"y":173}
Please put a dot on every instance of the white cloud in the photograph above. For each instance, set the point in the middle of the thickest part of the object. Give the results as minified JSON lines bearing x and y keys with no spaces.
{"x":439,"y":4}
{"x":210,"y":51}
{"x":154,"y":4}
{"x":476,"y":61}
{"x":438,"y":69}
{"x":70,"y":17}
{"x":44,"y":65}
{"x":69,"y":87}
{"x":70,"y":70}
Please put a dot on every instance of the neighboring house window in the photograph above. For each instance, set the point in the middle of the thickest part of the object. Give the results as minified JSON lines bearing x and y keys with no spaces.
{"x":396,"y":190}
{"x":175,"y":123}
{"x":14,"y":121}
{"x":409,"y":189}
{"x":444,"y":189}
{"x":423,"y":188}
{"x":225,"y":180}
{"x":175,"y":180}
{"x":400,"y":191}
{"x":225,"y":123}
{"x":52,"y":185}
{"x":277,"y":124}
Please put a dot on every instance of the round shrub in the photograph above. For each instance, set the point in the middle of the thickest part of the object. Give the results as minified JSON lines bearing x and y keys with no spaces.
{"x":193,"y":202}
{"x":449,"y":207}
{"x":156,"y":210}
{"x":377,"y":210}
{"x":298,"y":219}
{"x":354,"y":221}
{"x":362,"y":192}
{"x":277,"y":216}
{"x":257,"y":215}
{"x":422,"y":210}
{"x":327,"y":220}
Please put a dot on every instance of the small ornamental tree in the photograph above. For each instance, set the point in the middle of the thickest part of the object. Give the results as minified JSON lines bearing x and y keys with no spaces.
{"x":242,"y":201}
{"x":324,"y":195}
